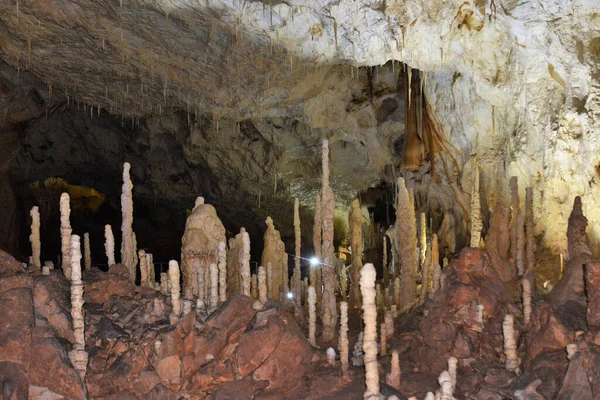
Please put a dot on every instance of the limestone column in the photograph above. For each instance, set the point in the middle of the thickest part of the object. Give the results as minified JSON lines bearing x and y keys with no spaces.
{"x":297,"y":276}
{"x":328,"y":305}
{"x":78,"y":355}
{"x":109,"y":245}
{"x":367,"y":287}
{"x":65,"y":234}
{"x":34,"y":238}
{"x":406,"y":236}
{"x":356,"y":245}
{"x":127,"y":240}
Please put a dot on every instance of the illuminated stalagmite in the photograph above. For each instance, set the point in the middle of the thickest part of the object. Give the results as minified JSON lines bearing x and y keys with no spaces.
{"x":297,"y":276}
{"x":406,"y":235}
{"x":78,"y":355}
{"x":315,"y":270}
{"x":328,"y":303}
{"x":127,"y":240}
{"x":356,"y":244}
{"x":203,"y":233}
{"x":273,"y":253}
{"x":65,"y":234}
{"x":34,"y":238}
{"x":367,"y":287}
{"x":109,"y":245}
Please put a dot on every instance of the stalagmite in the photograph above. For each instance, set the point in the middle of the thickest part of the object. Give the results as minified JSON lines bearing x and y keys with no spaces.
{"x":510,"y":344}
{"x":397,"y":298}
{"x":426,"y":279}
{"x":367,"y":287}
{"x":312,"y":316}
{"x":571,"y":349}
{"x":262,"y":285}
{"x":285,"y":276}
{"x":127,"y":246}
{"x":452,"y":364}
{"x":245,"y":267}
{"x":297,"y":275}
{"x":269,"y":279}
{"x":328,"y":304}
{"x":393,"y":377}
{"x":78,"y":355}
{"x":186,"y":307}
{"x":315,"y":270}
{"x":164,"y":283}
{"x":476,"y":220}
{"x":480,"y":316}
{"x":109,"y":245}
{"x":344,"y":279}
{"x":343,"y":339}
{"x":422,"y":238}
{"x":383,"y":339}
{"x":65,"y":234}
{"x":529,"y":228}
{"x":445,"y":381}
{"x":520,"y":255}
{"x":233,"y":264}
{"x":175,"y":291}
{"x":222,"y":259}
{"x":331,"y":356}
{"x":274,"y":253}
{"x":46,"y":268}
{"x":526,"y":300}
{"x":34,"y":238}
{"x":406,"y":235}
{"x":356,"y":245}
{"x":388,"y":318}
{"x":436,"y":284}
{"x":214,"y":286}
{"x":378,"y":297}
{"x":151,"y":270}
{"x":254,"y":286}
{"x":515,"y":211}
{"x":429,"y":396}
{"x":143,"y":268}
{"x":87,"y":254}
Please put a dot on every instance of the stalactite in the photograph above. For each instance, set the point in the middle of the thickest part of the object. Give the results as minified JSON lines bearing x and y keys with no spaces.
{"x":328,"y":305}
{"x":312,"y":316}
{"x":245,"y":267}
{"x":476,"y":220}
{"x":222,"y":259}
{"x":34,"y":238}
{"x":510,"y":344}
{"x":297,"y":276}
{"x":529,"y":229}
{"x":65,"y":234}
{"x":127,"y":246}
{"x":214,"y":286}
{"x":356,"y":245}
{"x":514,"y":203}
{"x":406,"y":235}
{"x":520,"y":256}
{"x":78,"y":355}
{"x":343,"y":339}
{"x":175,"y":291}
{"x":262,"y":285}
{"x":143,"y":268}
{"x":393,"y":377}
{"x":367,"y":287}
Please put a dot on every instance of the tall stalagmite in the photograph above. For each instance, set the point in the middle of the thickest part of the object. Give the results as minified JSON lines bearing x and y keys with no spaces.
{"x":367,"y":287}
{"x":65,"y":234}
{"x":273,"y":252}
{"x":245,"y":264}
{"x":476,"y":220}
{"x":262,"y":285}
{"x":143,"y":268}
{"x":297,"y":276}
{"x":406,"y":235}
{"x":34,"y":238}
{"x":315,"y":270}
{"x":343,"y":339}
{"x":78,"y":355}
{"x":328,"y":304}
{"x":109,"y":245}
{"x":312,"y":316}
{"x":87,"y":253}
{"x":175,"y":290}
{"x":127,"y":246}
{"x":356,"y":245}
{"x":151,"y":270}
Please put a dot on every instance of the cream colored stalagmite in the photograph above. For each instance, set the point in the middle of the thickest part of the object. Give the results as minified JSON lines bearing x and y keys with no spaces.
{"x":406,"y":235}
{"x":65,"y":234}
{"x":78,"y":355}
{"x":393,"y":377}
{"x":245,"y":267}
{"x":422,"y":239}
{"x":328,"y":304}
{"x":331,"y":356}
{"x":214,"y":287}
{"x":476,"y":220}
{"x":510,"y":344}
{"x":452,"y":365}
{"x":520,"y":255}
{"x":312,"y":316}
{"x":175,"y":291}
{"x":274,"y":252}
{"x":222,"y":260}
{"x":529,"y":227}
{"x":254,"y":286}
{"x":109,"y":245}
{"x":262,"y":285}
{"x":164,"y":283}
{"x":34,"y":238}
{"x":343,"y":339}
{"x":367,"y":287}
{"x":143,"y":268}
{"x":127,"y":240}
{"x":515,"y":211}
{"x":356,"y":245}
{"x":297,"y":276}
{"x":526,"y":300}
{"x":87,"y":254}
{"x":445,"y":381}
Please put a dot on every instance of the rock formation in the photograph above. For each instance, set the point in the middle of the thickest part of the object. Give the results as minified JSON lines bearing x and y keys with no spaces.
{"x":273,"y":253}
{"x":328,"y":304}
{"x":128,"y":251}
{"x":367,"y":287}
{"x":245,"y":264}
{"x":34,"y":239}
{"x":343,"y":345}
{"x":406,"y":235}
{"x":78,"y":355}
{"x":65,"y":234}
{"x":87,"y":253}
{"x":356,"y":245}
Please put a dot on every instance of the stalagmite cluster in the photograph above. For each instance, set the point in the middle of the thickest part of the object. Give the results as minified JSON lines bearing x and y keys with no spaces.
{"x":65,"y":234}
{"x":328,"y":304}
{"x":175,"y":290}
{"x":297,"y":276}
{"x":245,"y":264}
{"x":367,"y":287}
{"x":343,"y":339}
{"x":78,"y":355}
{"x":34,"y":238}
{"x":109,"y":245}
{"x":510,"y":344}
{"x":406,"y":235}
{"x":128,"y":254}
{"x":312,"y":316}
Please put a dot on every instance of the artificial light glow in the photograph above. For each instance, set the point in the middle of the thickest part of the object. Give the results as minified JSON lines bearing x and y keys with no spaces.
{"x":314,"y":261}
{"x":290,"y":295}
